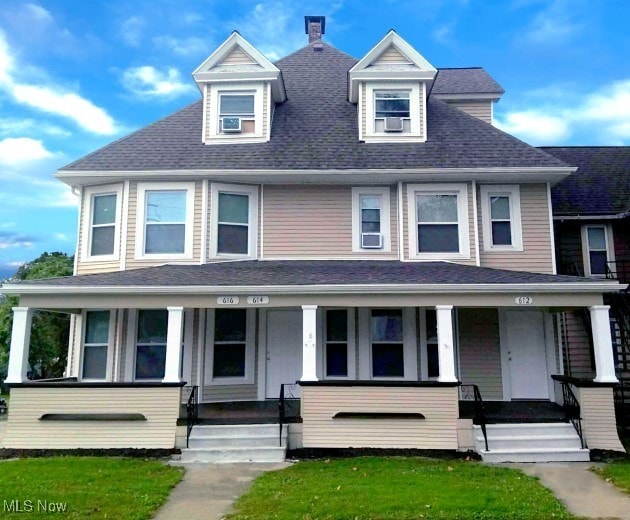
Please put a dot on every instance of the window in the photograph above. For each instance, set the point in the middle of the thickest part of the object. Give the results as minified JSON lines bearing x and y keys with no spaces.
{"x":388,"y":358}
{"x":501,"y":213}
{"x":151,"y":344}
{"x":429,"y":342}
{"x":371,"y":219}
{"x":101,"y":223}
{"x":336,"y":343}
{"x":597,"y":248}
{"x":439,"y":221}
{"x":393,"y":111}
{"x":235,"y":214}
{"x":236,"y":113}
{"x":230,"y":336}
{"x":96,"y":345}
{"x":165,"y":220}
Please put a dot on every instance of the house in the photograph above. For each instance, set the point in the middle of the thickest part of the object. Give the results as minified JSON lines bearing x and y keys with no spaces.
{"x":356,"y":226}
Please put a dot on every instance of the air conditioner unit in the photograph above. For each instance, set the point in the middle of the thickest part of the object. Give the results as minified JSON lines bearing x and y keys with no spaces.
{"x":393,"y":124}
{"x":371,"y":240}
{"x":231,"y":124}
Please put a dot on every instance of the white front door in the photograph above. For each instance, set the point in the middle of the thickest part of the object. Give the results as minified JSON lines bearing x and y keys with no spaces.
{"x":525,"y":354}
{"x":284,"y":350}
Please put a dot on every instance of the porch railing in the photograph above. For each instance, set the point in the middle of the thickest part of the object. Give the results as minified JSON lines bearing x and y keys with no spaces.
{"x":192,"y":411}
{"x":618,"y":270}
{"x":472,"y":393}
{"x":572,"y":412}
{"x":287,"y":391}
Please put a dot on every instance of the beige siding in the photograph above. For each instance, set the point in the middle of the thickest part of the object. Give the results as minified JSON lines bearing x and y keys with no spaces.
{"x":216,"y":393}
{"x":210,"y":94}
{"x":160,"y":406}
{"x":266,"y":117}
{"x":437,"y":431}
{"x":480,"y":351}
{"x":577,"y":346}
{"x":237,"y":57}
{"x":314,"y":221}
{"x":598,"y":418}
{"x":390,"y":55}
{"x":480,"y":109}
{"x":421,"y":109}
{"x":363,"y":109}
{"x":537,"y":247}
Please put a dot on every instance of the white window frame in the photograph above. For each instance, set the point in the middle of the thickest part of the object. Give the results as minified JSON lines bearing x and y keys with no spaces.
{"x":610,"y":247}
{"x":250,"y":351}
{"x":463,"y":224}
{"x":416,"y":133}
{"x":384,"y":194}
{"x":513,"y":193}
{"x":89,"y":195}
{"x":351,"y":343}
{"x":111,"y":333}
{"x":236,"y":189}
{"x":257,"y":89}
{"x":143,"y":188}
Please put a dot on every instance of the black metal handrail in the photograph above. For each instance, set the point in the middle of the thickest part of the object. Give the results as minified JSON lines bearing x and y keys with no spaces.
{"x":618,"y":270}
{"x":571,"y":269}
{"x":192,"y":411}
{"x":472,"y":393}
{"x":572,"y":412}
{"x":282,"y":406}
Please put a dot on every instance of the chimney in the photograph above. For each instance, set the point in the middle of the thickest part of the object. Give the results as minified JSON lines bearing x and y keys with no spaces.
{"x":314,"y":26}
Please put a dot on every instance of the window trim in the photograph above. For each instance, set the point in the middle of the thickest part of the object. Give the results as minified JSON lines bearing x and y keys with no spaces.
{"x":111,"y":333}
{"x":417,"y":132}
{"x":463,"y":223}
{"x":212,"y":120}
{"x":610,"y":247}
{"x":513,"y":193}
{"x":250,"y":352}
{"x":385,"y":193}
{"x":351,"y":343}
{"x":86,"y":236}
{"x":237,"y":189}
{"x":142,"y":189}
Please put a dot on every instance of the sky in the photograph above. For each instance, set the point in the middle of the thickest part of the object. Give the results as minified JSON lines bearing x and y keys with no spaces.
{"x":76,"y":75}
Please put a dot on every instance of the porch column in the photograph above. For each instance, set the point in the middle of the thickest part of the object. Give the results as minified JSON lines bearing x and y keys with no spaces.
{"x":20,"y":344}
{"x":602,"y":344}
{"x":446,"y":355}
{"x":174,"y":345}
{"x":309,"y":342}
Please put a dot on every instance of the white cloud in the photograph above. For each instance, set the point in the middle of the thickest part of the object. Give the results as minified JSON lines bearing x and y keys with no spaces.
{"x":17,"y":150}
{"x":132,"y":29}
{"x":149,"y":82}
{"x":10,"y":126}
{"x":554,"y":24}
{"x":534,"y":127}
{"x":12,"y":240}
{"x":183,"y":46}
{"x":443,"y":34}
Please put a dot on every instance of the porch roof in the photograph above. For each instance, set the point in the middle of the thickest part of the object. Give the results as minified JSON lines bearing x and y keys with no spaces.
{"x":318,"y":275}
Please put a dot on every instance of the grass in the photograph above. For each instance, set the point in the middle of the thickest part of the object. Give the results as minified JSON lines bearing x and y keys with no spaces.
{"x":396,"y":488}
{"x":617,"y":472}
{"x":89,"y":486}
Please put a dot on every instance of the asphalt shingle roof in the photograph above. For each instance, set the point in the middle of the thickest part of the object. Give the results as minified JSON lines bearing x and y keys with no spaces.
{"x":600,"y":186}
{"x":307,"y":272}
{"x":473,"y":80}
{"x":316,"y":128}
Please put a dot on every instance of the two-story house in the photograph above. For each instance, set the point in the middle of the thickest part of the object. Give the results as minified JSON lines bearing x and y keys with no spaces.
{"x":356,"y":226}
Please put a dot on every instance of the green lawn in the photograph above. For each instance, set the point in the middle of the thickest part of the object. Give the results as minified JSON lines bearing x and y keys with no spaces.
{"x":618,"y":473}
{"x":396,"y":488}
{"x":94,"y":487}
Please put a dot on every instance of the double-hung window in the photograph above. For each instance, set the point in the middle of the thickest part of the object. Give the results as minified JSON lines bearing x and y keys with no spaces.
{"x":597,"y":248}
{"x":235,"y":214}
{"x":501,"y":214}
{"x":101,"y":224}
{"x":392,"y":111}
{"x":95,"y":345}
{"x":151,"y":344}
{"x":236,"y":112}
{"x":388,"y":356}
{"x":370,"y":219}
{"x":336,"y":343}
{"x":438,"y":221}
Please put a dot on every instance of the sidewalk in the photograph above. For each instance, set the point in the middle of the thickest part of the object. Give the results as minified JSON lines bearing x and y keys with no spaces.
{"x":207,"y":491}
{"x":583,"y":492}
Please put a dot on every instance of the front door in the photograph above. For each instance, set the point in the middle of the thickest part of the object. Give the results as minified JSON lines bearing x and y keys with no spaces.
{"x":525,"y":354}
{"x":284,"y":350}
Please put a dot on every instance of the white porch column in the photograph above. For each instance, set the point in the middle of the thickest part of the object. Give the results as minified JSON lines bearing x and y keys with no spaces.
{"x":174,"y":345}
{"x":309,"y":342}
{"x":446,"y":354}
{"x":20,"y":344}
{"x":602,"y":344}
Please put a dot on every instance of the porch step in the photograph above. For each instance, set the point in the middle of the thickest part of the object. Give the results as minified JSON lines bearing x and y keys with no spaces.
{"x":235,"y":443}
{"x":530,"y":442}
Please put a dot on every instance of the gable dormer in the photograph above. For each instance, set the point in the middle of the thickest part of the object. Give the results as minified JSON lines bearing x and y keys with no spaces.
{"x":389,"y":85}
{"x":240,"y":89}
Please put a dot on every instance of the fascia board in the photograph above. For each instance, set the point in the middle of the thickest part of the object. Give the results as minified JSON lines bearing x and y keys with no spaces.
{"x":379,"y":75}
{"x":614,"y":216}
{"x":223,"y":77}
{"x":481,"y":96}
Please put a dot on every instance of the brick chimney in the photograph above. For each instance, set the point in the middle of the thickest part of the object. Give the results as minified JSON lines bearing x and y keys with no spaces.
{"x":314,"y":26}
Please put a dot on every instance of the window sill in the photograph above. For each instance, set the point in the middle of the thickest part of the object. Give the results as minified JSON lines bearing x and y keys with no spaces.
{"x":503,"y":249}
{"x":433,"y":257}
{"x":103,"y":258}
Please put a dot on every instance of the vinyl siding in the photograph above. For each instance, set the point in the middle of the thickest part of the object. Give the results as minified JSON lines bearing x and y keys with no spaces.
{"x":363,"y":109}
{"x":577,"y":346}
{"x":480,"y":351}
{"x":536,"y":255}
{"x":598,"y":418}
{"x":479,"y":109}
{"x":237,"y":57}
{"x":437,"y":431}
{"x":390,"y":55}
{"x":160,"y":406}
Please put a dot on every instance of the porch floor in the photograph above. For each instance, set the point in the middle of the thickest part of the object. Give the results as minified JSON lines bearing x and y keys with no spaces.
{"x":515,"y":411}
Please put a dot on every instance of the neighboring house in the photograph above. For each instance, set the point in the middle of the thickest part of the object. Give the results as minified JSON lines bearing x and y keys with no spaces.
{"x":358,"y":226}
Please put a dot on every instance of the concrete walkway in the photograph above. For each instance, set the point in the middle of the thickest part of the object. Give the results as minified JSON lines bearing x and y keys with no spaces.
{"x":207,"y":491}
{"x":583,"y":492}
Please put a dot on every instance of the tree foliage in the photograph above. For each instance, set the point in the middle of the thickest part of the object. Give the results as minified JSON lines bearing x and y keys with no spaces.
{"x":50,"y":330}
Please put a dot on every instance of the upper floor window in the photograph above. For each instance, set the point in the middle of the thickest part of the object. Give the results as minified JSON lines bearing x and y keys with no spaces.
{"x":438,"y":221}
{"x":501,"y":214}
{"x":165,"y":220}
{"x":96,"y":341}
{"x":597,"y":247}
{"x":393,"y":110}
{"x":235,"y":218}
{"x":102,"y":223}
{"x":370,"y":219}
{"x":236,"y":113}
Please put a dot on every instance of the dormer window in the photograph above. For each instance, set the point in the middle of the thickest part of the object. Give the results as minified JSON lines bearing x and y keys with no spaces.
{"x":392,"y":111}
{"x":237,"y":113}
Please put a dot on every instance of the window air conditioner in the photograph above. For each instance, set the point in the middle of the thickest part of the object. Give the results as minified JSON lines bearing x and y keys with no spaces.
{"x":231,"y":124}
{"x":371,"y":240}
{"x":393,"y":124}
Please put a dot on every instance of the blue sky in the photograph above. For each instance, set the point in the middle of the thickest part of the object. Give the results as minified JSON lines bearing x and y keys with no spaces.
{"x":76,"y":74}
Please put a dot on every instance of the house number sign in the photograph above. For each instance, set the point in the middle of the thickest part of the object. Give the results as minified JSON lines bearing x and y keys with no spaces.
{"x":257,"y":300}
{"x":524,"y":300}
{"x":227,"y":300}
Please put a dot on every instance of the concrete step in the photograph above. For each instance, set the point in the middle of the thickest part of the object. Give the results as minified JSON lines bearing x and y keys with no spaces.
{"x":252,"y":441}
{"x":561,"y":428}
{"x":232,"y":455}
{"x":236,"y":430}
{"x":535,"y":455}
{"x":531,"y":441}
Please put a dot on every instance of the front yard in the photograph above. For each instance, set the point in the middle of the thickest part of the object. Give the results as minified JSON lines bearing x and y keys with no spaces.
{"x":617,"y":472}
